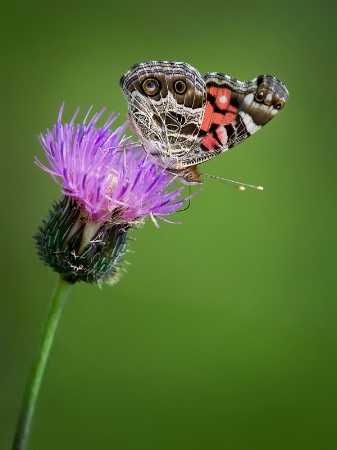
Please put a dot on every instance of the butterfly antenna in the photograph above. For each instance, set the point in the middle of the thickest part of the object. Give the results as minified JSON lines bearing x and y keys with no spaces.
{"x":235,"y":184}
{"x":122,"y":147}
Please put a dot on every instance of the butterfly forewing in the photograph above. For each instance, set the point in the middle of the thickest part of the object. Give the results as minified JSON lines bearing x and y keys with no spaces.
{"x":235,"y":110}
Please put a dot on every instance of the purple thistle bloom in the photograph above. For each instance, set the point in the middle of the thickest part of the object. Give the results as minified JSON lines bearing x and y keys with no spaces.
{"x":95,"y":170}
{"x":109,"y":186}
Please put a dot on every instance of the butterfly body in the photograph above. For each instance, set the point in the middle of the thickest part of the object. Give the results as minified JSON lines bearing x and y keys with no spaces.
{"x":184,"y":119}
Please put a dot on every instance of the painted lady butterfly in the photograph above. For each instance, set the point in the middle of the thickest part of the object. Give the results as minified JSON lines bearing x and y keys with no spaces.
{"x":184,"y":119}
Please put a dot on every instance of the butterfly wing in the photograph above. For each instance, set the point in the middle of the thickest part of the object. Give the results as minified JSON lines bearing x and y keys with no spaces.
{"x":234,"y":111}
{"x":184,"y":119}
{"x":166,"y":102}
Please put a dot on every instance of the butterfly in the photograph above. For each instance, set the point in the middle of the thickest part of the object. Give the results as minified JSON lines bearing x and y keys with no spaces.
{"x":184,"y":119}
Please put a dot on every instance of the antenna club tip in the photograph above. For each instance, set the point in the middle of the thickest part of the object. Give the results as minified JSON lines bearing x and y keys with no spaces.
{"x":236,"y":184}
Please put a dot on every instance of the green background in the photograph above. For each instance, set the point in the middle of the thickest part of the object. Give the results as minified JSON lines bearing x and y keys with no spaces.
{"x":222,"y":334}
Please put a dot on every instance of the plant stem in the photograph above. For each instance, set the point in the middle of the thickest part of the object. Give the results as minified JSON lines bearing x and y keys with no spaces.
{"x":39,"y":365}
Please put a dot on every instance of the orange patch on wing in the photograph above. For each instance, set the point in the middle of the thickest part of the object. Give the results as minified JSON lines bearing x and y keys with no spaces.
{"x":211,"y":118}
{"x":212,"y":91}
{"x":219,"y":118}
{"x":210,"y":142}
{"x":228,"y":118}
{"x":222,"y":102}
{"x":206,"y":122}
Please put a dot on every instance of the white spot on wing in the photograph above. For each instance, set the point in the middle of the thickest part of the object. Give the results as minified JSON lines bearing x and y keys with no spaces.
{"x":248,"y":99}
{"x":249,"y":122}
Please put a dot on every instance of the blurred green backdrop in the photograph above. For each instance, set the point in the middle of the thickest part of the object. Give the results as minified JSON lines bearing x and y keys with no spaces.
{"x":223,"y":332}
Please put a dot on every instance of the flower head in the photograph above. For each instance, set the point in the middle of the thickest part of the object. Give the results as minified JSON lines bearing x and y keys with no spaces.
{"x":108,"y":186}
{"x":103,"y":175}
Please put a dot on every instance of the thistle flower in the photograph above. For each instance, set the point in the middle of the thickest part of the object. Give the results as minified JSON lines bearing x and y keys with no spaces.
{"x":106,"y":191}
{"x":108,"y":188}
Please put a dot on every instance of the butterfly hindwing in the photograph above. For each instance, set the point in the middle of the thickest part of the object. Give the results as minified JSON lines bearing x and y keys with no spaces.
{"x":168,"y":118}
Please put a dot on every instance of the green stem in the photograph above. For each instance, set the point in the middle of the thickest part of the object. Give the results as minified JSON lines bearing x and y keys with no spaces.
{"x":38,"y":368}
